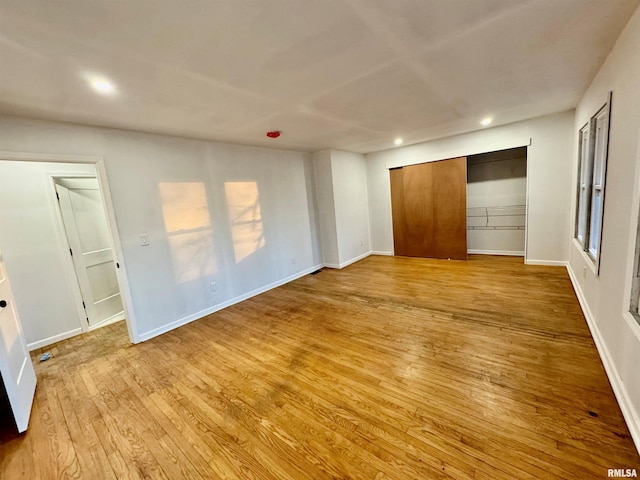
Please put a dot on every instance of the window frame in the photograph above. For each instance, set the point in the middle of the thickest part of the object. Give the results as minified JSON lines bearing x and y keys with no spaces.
{"x":593,"y":155}
{"x":598,"y":180}
{"x":583,"y":191}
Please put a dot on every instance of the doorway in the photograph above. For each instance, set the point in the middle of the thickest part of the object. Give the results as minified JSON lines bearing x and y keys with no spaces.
{"x":47,"y":203}
{"x":39,"y":258}
{"x":87,"y":232}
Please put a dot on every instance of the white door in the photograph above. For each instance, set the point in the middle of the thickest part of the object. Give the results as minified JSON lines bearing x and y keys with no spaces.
{"x":87,"y":230}
{"x":15,"y":362}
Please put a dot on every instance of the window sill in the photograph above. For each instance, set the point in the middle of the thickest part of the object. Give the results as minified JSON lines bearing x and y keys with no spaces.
{"x":591,"y":263}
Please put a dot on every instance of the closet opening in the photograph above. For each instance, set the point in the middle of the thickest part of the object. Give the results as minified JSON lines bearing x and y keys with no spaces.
{"x":497,"y":202}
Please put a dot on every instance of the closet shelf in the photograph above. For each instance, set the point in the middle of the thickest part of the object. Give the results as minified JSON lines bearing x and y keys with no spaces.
{"x":509,"y":217}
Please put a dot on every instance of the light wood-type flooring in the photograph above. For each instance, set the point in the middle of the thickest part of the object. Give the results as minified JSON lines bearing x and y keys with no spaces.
{"x":393,"y":368}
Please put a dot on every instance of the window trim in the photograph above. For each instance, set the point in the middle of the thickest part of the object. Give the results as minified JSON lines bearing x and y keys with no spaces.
{"x":585,"y":169}
{"x":587,"y":181}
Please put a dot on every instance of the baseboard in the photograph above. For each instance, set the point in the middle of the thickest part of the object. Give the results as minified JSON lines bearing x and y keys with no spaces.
{"x":118,"y":317}
{"x":331,"y":265}
{"x":547,"y":263}
{"x":348,"y":262}
{"x":629,"y":413}
{"x":208,"y":311}
{"x":54,"y":339}
{"x":376,"y":252}
{"x":354,"y":260}
{"x":496,"y":252}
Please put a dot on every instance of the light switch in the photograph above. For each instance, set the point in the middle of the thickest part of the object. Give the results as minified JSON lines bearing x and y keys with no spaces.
{"x":144,"y":239}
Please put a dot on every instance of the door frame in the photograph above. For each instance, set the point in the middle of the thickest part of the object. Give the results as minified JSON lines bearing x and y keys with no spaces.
{"x":121,"y":271}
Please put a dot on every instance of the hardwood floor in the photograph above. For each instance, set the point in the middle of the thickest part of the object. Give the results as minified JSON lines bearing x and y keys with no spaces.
{"x":393,"y":368}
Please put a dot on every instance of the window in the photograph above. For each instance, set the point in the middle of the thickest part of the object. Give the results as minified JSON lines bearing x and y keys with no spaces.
{"x":597,"y":186}
{"x":584,"y":180}
{"x":592,"y":170}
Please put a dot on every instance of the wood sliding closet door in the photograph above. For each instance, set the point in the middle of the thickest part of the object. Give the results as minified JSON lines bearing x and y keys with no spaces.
{"x":429,"y":209}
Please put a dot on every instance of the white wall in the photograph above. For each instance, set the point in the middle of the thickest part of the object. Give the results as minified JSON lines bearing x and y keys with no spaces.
{"x":497,"y":179}
{"x":326,"y":208}
{"x":549,"y":178}
{"x":343,"y":213}
{"x":35,"y":250}
{"x":605,"y":298}
{"x":351,"y":205}
{"x":182,"y":193}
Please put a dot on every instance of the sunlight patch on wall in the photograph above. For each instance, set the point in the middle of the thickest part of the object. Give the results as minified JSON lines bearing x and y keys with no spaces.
{"x":187,"y":222}
{"x":245,"y":218}
{"x":184,"y":206}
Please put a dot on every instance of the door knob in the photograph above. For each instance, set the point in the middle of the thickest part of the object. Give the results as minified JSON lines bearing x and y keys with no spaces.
{"x":3,"y":303}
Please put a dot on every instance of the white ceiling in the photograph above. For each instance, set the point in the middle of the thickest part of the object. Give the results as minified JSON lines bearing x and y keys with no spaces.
{"x":343,"y":74}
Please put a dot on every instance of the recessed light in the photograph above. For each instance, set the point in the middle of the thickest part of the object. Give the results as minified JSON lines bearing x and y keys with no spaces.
{"x":398,"y":141}
{"x":100,"y":84}
{"x":103,"y":86}
{"x":486,"y":121}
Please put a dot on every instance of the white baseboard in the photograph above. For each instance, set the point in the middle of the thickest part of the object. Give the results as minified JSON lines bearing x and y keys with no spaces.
{"x":348,"y":262}
{"x":548,"y":263}
{"x":354,"y":260}
{"x":118,"y":317}
{"x":511,"y":253}
{"x":377,"y":252}
{"x":629,"y":413}
{"x":208,"y":311}
{"x":55,"y":338}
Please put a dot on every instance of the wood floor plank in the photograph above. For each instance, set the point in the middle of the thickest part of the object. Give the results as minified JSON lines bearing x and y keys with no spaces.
{"x":392,"y":368}
{"x":363,"y":404}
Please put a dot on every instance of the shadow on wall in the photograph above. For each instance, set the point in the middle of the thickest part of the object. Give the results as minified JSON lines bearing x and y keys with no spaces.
{"x":245,"y":218}
{"x":187,"y":222}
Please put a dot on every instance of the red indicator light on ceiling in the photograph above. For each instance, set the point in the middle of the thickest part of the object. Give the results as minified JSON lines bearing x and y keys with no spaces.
{"x":273,"y":134}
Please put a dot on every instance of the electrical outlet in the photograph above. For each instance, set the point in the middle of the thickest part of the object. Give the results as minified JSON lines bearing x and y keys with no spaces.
{"x":362,"y":243}
{"x":584,"y":272}
{"x":293,"y":260}
{"x":213,"y":286}
{"x":144,"y":239}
